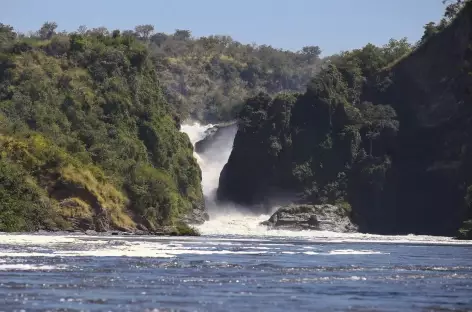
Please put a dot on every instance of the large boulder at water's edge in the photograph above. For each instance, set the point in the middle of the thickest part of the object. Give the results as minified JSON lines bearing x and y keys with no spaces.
{"x":312,"y":217}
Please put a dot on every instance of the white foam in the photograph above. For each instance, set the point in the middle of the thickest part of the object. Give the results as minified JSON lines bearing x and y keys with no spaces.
{"x":89,"y":246}
{"x":355,"y":252}
{"x":195,"y":130}
{"x":30,"y":267}
{"x":237,"y":223}
{"x":28,"y":239}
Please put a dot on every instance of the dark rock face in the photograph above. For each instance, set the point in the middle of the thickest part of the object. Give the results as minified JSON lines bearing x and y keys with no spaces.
{"x":253,"y":174}
{"x":431,"y":165}
{"x":403,"y":162}
{"x":312,"y":217}
{"x":213,"y":134}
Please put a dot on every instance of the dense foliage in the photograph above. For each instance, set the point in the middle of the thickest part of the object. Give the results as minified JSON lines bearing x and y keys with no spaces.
{"x":380,"y":130}
{"x":208,"y":78}
{"x":87,"y":138}
{"x":309,"y":144}
{"x":452,"y":10}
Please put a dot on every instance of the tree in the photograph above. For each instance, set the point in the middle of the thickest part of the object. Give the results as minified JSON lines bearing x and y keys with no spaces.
{"x":378,"y":119}
{"x":99,"y":32}
{"x":128,"y":33}
{"x":311,"y":51}
{"x":144,"y":31}
{"x":116,"y":33}
{"x":182,"y":34}
{"x":395,"y":49}
{"x":77,"y":42}
{"x":453,"y":8}
{"x":429,"y":30}
{"x":159,"y":38}
{"x":82,"y":29}
{"x":330,"y":90}
{"x":6,"y":33}
{"x":47,"y":30}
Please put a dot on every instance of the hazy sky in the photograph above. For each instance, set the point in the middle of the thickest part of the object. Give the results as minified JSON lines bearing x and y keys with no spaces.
{"x":334,"y":25}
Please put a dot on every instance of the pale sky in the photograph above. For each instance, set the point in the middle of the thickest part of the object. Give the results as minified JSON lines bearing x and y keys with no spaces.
{"x":334,"y":25}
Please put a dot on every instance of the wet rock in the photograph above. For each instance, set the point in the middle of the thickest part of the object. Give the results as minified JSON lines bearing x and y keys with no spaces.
{"x":142,"y":228}
{"x":91,"y":232}
{"x":141,"y":232}
{"x":197,"y":216}
{"x":213,"y":134}
{"x":311,"y":217}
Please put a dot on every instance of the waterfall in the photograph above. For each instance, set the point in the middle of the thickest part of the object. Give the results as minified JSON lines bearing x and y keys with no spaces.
{"x":232,"y":220}
{"x":227,"y":218}
{"x":212,"y":158}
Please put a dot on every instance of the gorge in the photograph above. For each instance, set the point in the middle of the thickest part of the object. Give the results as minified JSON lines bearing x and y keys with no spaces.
{"x":92,"y":132}
{"x":151,"y":171}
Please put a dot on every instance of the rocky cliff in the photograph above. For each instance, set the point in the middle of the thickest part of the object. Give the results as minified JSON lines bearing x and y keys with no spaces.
{"x":426,"y":187}
{"x":391,"y":140}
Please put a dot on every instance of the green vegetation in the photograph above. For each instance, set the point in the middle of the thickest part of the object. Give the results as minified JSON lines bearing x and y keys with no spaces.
{"x":87,"y":138}
{"x":453,"y":8}
{"x":89,"y":127}
{"x":186,"y":230}
{"x":209,"y":78}
{"x":309,"y":142}
{"x":379,"y":131}
{"x":205,"y":78}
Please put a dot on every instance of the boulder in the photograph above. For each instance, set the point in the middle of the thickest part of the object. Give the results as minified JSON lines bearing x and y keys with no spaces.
{"x":197,"y":216}
{"x":312,"y":217}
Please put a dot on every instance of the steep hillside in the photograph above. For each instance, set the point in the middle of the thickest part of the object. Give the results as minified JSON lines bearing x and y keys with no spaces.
{"x":209,"y":78}
{"x":386,"y":135}
{"x":87,"y":139}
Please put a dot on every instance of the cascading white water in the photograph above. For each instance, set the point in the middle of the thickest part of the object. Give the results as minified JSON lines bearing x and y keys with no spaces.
{"x":197,"y":132}
{"x":212,"y":161}
{"x":225,"y":219}
{"x":229,"y":220}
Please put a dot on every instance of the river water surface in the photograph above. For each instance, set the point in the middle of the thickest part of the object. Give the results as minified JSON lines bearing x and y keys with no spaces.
{"x":224,"y":271}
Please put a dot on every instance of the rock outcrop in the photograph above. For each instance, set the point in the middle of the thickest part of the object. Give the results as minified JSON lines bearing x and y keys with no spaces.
{"x":312,"y":217}
{"x":196,"y":216}
{"x":393,"y":140}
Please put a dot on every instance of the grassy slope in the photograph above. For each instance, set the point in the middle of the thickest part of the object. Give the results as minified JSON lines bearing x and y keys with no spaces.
{"x":87,"y":138}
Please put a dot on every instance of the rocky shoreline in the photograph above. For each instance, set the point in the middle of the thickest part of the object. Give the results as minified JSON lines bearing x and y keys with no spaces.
{"x":165,"y":231}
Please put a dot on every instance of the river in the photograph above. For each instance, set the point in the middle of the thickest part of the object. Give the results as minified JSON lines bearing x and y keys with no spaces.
{"x":235,"y":272}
